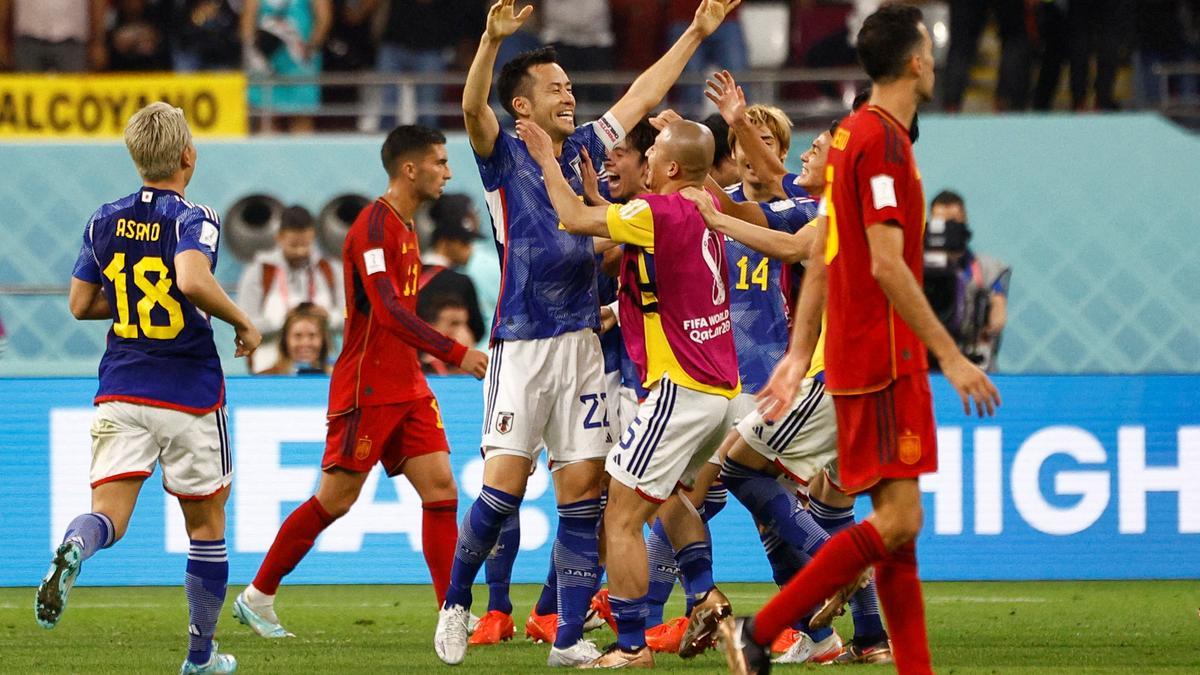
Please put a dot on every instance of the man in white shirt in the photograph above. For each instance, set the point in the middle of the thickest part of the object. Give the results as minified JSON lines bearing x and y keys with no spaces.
{"x":53,"y":35}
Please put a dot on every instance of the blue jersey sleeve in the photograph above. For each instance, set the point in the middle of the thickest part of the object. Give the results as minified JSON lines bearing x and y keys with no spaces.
{"x":791,"y":186}
{"x":494,"y":167}
{"x":789,"y":215}
{"x":199,"y":230}
{"x":599,"y":137}
{"x":87,"y":268}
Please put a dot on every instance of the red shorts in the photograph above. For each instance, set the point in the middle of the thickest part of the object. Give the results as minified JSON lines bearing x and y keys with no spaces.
{"x":388,"y":434}
{"x":888,"y":433}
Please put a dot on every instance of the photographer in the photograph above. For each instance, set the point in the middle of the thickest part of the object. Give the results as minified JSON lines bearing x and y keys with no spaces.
{"x":967,"y":291}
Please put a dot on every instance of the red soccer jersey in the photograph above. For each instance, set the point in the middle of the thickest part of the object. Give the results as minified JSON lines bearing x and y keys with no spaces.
{"x":872,"y":179}
{"x":382,"y":270}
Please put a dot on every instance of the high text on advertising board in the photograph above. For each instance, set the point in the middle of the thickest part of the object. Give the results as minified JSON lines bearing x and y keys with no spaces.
{"x":34,"y":106}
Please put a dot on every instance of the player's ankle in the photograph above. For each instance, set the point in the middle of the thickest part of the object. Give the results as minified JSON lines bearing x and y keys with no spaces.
{"x":258,"y":598}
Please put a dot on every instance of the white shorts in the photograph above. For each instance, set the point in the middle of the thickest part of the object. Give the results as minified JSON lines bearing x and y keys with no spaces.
{"x":804,"y":441}
{"x":550,"y":390}
{"x":128,"y":439}
{"x":674,"y":433}
{"x":739,"y":407}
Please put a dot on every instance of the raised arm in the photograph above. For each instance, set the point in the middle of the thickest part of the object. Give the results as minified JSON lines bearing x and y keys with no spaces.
{"x":900,"y":286}
{"x":193,"y":270}
{"x":576,"y":217}
{"x":747,"y":211}
{"x":730,"y":100}
{"x":790,"y":248}
{"x":482,"y":124}
{"x":651,"y":86}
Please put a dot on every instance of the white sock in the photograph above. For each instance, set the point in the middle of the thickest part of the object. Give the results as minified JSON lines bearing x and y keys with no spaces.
{"x":257,"y":598}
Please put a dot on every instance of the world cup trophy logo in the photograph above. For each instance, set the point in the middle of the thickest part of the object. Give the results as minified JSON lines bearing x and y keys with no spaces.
{"x":712,"y":250}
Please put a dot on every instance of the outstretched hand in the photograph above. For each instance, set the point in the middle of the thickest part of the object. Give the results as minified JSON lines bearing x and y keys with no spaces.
{"x":702,"y":200}
{"x":711,"y":13}
{"x":503,"y":20}
{"x":591,"y":180}
{"x":665,"y":119}
{"x":537,"y":141}
{"x":777,"y":396}
{"x":729,"y":98}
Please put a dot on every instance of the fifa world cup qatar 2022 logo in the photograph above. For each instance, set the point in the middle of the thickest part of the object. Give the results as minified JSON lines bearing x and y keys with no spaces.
{"x":713,"y":250}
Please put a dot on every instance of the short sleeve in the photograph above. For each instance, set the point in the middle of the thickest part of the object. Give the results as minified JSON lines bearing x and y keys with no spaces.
{"x":601,"y":136}
{"x":788,"y":215}
{"x":791,"y":187}
{"x":882,"y":172}
{"x":87,"y":267}
{"x":632,"y":223}
{"x":494,"y":167}
{"x":199,"y":230}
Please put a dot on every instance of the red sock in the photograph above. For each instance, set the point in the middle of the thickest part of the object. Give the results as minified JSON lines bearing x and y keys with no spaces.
{"x":439,"y":537}
{"x":900,"y":594}
{"x":838,"y":563}
{"x":293,"y":542}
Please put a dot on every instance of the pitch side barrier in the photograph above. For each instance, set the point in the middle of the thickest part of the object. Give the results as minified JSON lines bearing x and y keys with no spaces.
{"x":1077,"y":477}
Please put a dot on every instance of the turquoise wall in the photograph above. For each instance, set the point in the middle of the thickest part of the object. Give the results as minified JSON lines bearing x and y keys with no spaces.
{"x":1095,"y":214}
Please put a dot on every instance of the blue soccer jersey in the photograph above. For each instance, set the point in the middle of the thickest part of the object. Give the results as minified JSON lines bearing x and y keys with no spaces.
{"x":160,"y":348}
{"x":547,"y":275}
{"x":791,"y":186}
{"x":758,"y":300}
{"x":610,"y":343}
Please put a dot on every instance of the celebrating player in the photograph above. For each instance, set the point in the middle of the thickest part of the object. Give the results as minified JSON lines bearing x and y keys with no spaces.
{"x":547,"y":382}
{"x":679,"y":333}
{"x":380,"y":407}
{"x":162,"y":393}
{"x":880,"y":324}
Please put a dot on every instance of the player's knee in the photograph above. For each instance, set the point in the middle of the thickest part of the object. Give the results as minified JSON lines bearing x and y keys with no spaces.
{"x":898,"y":526}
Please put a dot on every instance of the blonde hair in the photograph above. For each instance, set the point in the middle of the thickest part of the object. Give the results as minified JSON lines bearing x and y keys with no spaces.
{"x":156,"y":137}
{"x":775,"y":120}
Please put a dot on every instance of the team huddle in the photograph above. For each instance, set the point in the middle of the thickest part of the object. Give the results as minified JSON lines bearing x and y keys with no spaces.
{"x":654,"y":336}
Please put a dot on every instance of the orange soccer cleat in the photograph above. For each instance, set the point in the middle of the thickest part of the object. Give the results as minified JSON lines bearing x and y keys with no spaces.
{"x":600,"y":610}
{"x":541,"y":627}
{"x":495,"y":627}
{"x":666,"y":636}
{"x":786,"y":639}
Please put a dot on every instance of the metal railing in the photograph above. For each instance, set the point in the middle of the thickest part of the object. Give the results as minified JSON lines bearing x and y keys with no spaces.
{"x":760,"y":85}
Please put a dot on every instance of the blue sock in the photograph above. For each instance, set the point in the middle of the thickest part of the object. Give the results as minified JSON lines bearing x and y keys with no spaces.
{"x":663,"y":572}
{"x":631,"y":622}
{"x":499,"y":565}
{"x":204,"y":584}
{"x":478,"y":534}
{"x":548,"y":601}
{"x":784,"y":560}
{"x":831,"y":518}
{"x":819,"y":634}
{"x":774,"y":506}
{"x":714,"y":501}
{"x":864,"y":605}
{"x":695,"y":566}
{"x":577,"y":563}
{"x":92,"y":531}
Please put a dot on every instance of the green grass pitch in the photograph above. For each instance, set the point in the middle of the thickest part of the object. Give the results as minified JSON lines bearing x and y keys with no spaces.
{"x":1029,"y":627}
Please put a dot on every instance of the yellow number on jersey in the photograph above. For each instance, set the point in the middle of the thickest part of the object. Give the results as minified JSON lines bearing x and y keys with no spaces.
{"x":759,"y":276}
{"x":154,"y":294}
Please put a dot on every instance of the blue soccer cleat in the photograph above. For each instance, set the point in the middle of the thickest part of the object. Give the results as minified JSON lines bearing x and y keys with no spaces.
{"x":217,"y":663}
{"x":51,"y":598}
{"x":262,"y":620}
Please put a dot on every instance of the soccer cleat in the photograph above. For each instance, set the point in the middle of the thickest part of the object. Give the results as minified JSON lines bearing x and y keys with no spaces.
{"x":217,"y":663}
{"x":495,"y":627}
{"x":51,"y":599}
{"x":615,"y":657}
{"x":600,"y":613}
{"x":577,"y":655}
{"x":804,"y":650}
{"x":541,"y":627}
{"x":707,"y":616}
{"x":450,"y":638}
{"x":880,"y":652}
{"x":742,"y":654}
{"x":472,"y":624}
{"x":666,"y":636}
{"x":260,"y":619}
{"x":835,"y":606}
{"x":786,"y":639}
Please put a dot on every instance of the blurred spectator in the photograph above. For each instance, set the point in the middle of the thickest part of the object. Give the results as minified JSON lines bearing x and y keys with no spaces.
{"x":53,"y":35}
{"x":581,"y":33}
{"x":1074,"y":30}
{"x":304,"y":349}
{"x":3,"y":339}
{"x":724,"y":49}
{"x":967,"y":20}
{"x":448,"y":315}
{"x":279,"y":280}
{"x":284,"y":38}
{"x":418,"y":37}
{"x":1168,"y":32}
{"x":205,"y":36}
{"x":455,"y":231}
{"x":639,"y":30}
{"x":968,"y":292}
{"x":349,"y":49}
{"x":137,"y":37}
{"x":838,"y":49}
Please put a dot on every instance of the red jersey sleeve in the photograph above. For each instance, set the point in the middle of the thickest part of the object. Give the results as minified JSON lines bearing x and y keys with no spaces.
{"x":384,"y":296}
{"x":883,"y":171}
